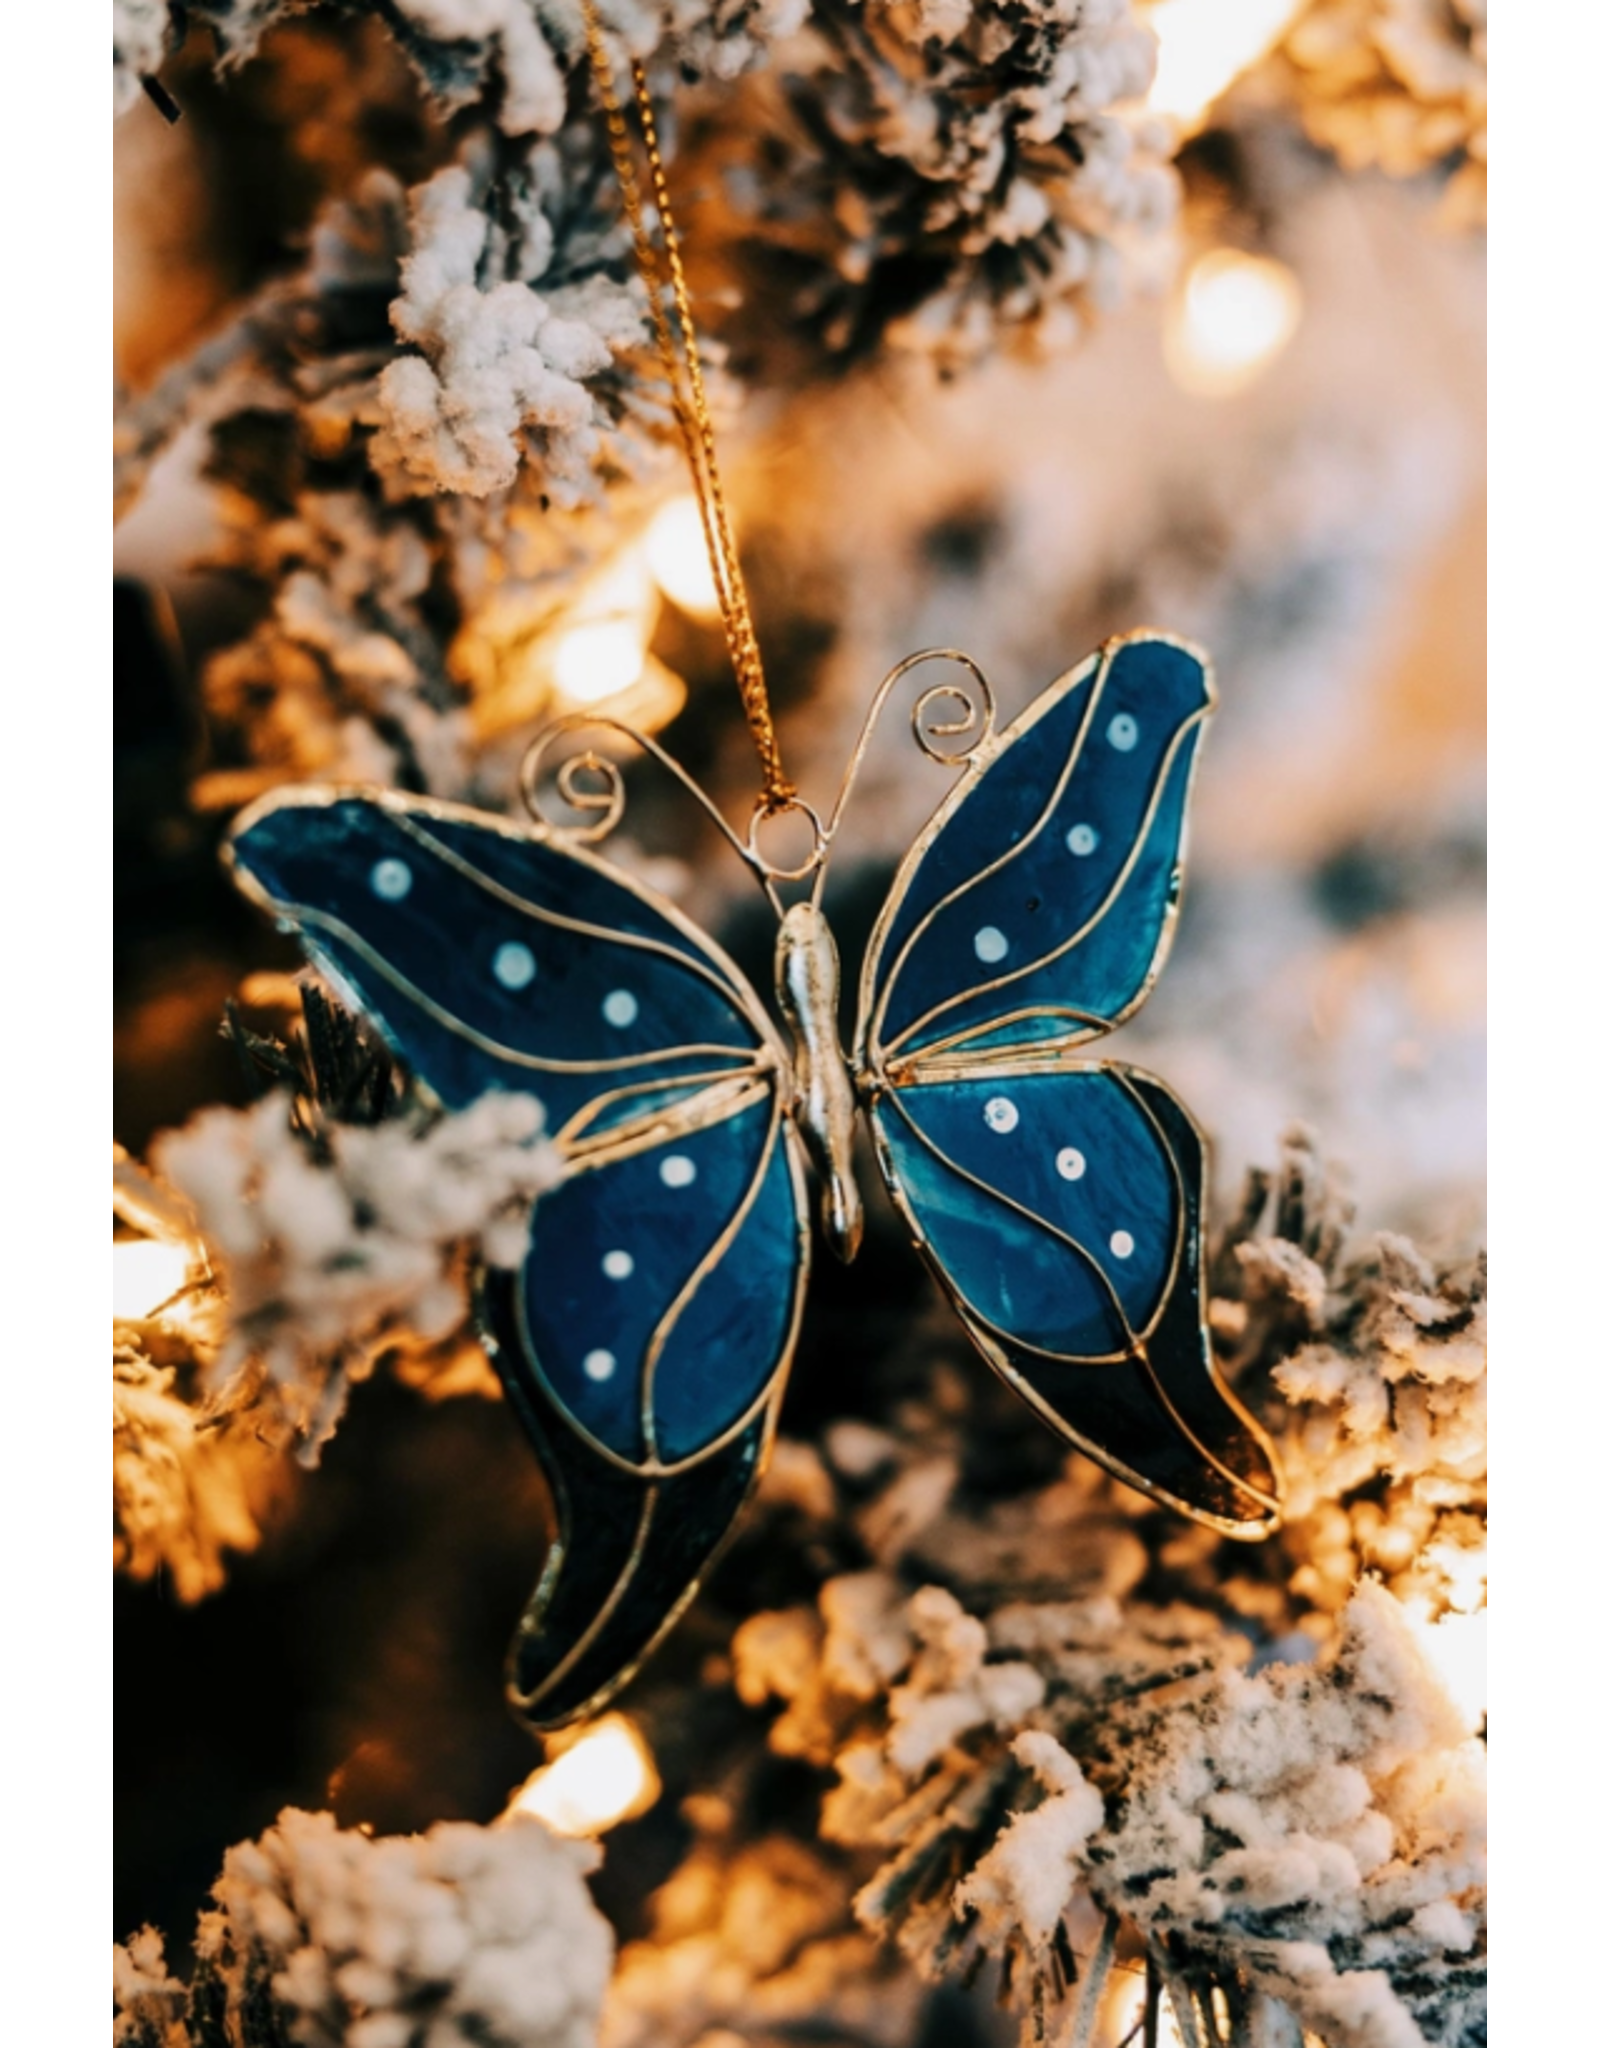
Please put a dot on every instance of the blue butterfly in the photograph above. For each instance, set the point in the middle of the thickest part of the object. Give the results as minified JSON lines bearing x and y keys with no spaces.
{"x":1057,"y":1198}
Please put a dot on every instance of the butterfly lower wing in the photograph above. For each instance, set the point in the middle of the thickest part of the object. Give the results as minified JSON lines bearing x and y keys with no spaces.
{"x":627,"y":1562}
{"x":661,"y":1286}
{"x":1036,"y":908}
{"x":651,"y":1457}
{"x":1059,"y":1206}
{"x":645,"y":1338}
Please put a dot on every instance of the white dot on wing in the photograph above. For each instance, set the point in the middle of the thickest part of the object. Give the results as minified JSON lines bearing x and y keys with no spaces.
{"x":391,"y":879}
{"x":513,"y":964}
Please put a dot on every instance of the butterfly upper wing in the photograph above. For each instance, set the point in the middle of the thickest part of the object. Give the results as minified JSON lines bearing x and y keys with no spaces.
{"x":1084,"y":1288}
{"x":644,"y":1339}
{"x":1036,"y":907}
{"x":493,"y":959}
{"x":1059,"y":1201}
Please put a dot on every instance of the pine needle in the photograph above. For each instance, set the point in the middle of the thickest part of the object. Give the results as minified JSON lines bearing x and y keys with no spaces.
{"x":1178,"y":1993}
{"x":1094,"y":1985}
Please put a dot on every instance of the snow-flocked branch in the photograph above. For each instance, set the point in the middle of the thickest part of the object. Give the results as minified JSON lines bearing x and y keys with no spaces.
{"x":1399,"y":86}
{"x":1029,"y":1737}
{"x":947,"y":176}
{"x":328,"y":1226}
{"x":465,"y":1937}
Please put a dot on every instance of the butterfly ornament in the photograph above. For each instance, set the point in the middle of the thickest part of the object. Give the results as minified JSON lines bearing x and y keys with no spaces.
{"x":1058,"y":1197}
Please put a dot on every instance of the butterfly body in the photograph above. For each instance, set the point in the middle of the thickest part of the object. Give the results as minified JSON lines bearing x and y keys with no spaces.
{"x":806,"y":972}
{"x":1058,"y":1197}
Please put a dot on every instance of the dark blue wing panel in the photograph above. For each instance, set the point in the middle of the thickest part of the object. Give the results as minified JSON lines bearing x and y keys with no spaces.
{"x":1120,"y":1416}
{"x":626,"y":1554}
{"x":549,"y":877}
{"x":1052,"y":878}
{"x":1099,"y":974}
{"x":615,"y":1251}
{"x":995,"y":815}
{"x":1047,"y":1199}
{"x":478,"y":986}
{"x":721,"y":1351}
{"x":687,"y":1520}
{"x":1111,"y":1159}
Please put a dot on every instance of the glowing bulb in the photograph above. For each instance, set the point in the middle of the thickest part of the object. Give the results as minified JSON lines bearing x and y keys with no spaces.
{"x":676,"y":548}
{"x":1127,"y":2011}
{"x":1455,"y":1641}
{"x":1205,"y":44}
{"x":599,"y":659}
{"x":607,"y":1775}
{"x":1234,"y":314}
{"x":1457,"y":1646}
{"x":144,"y":1273}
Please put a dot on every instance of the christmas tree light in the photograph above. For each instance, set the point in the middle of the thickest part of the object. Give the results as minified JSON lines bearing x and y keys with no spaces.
{"x":1205,"y":44}
{"x":144,"y":1274}
{"x":676,"y":547}
{"x":1233,"y":315}
{"x":604,"y":1776}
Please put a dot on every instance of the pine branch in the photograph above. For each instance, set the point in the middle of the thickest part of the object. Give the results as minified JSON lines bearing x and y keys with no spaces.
{"x":195,"y":388}
{"x":463,"y":1934}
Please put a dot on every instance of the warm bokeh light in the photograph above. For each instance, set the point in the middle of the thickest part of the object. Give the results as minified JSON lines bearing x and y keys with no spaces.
{"x":653,"y":701}
{"x":1125,"y":2007}
{"x":675,"y":547}
{"x":1205,"y":44}
{"x":1456,"y":1640}
{"x":1457,"y":1646}
{"x":144,"y":1274}
{"x":606,"y":1776}
{"x":602,"y":649}
{"x":598,"y":659}
{"x":1233,"y":315}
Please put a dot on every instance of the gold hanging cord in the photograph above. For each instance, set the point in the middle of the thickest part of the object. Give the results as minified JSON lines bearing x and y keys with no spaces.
{"x":688,"y":398}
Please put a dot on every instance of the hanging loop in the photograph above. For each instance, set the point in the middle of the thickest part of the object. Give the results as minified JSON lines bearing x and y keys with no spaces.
{"x":766,"y":809}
